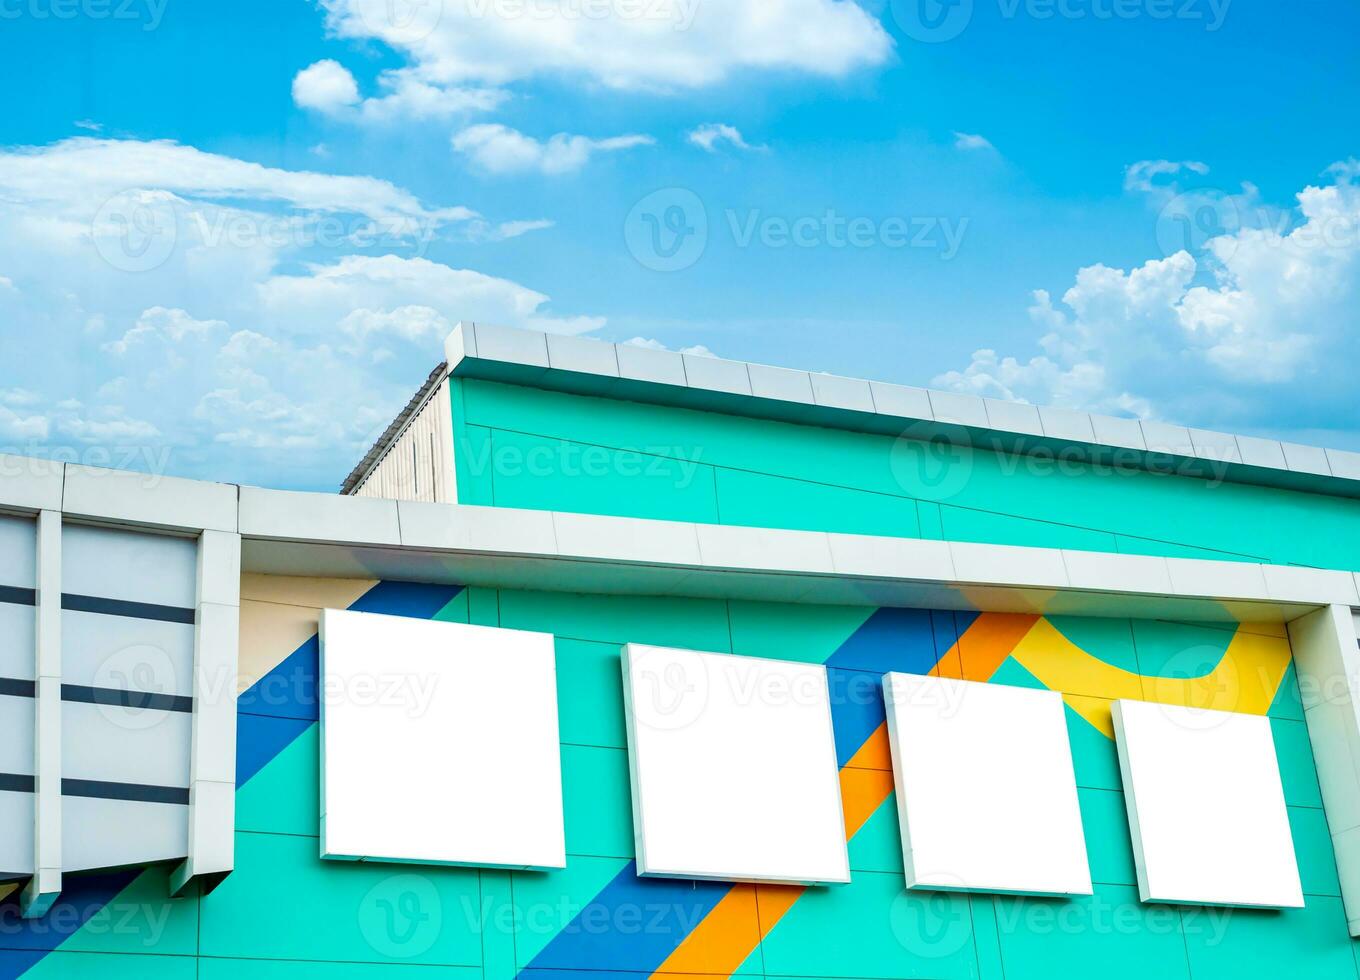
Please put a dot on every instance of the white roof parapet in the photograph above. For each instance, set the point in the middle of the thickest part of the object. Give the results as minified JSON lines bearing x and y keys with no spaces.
{"x":579,"y":364}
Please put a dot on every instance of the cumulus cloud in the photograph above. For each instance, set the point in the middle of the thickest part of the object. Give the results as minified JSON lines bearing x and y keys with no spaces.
{"x":329,"y":88}
{"x":83,"y":172}
{"x":326,"y":86}
{"x":971,"y":141}
{"x":255,"y":346}
{"x":1143,"y":175}
{"x":708,"y":137}
{"x":698,"y":350}
{"x":499,"y":149}
{"x":665,"y":44}
{"x":1204,"y":338}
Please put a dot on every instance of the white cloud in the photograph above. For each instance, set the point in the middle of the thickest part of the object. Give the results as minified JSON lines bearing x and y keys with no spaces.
{"x":328,"y":293}
{"x":267,"y":358}
{"x":661,"y":44}
{"x":85,"y":173}
{"x":8,"y":284}
{"x":1142,"y":175}
{"x":163,"y":324}
{"x":698,"y":350}
{"x":971,"y":141}
{"x":501,"y":150}
{"x":1205,"y":339}
{"x":709,"y":135}
{"x":513,"y":229}
{"x":326,"y":86}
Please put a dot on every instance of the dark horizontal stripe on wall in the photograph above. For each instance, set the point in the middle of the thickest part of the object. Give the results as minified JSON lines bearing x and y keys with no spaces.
{"x":18,"y":597}
{"x":18,"y":689}
{"x":12,"y":783}
{"x":126,"y":609}
{"x":125,"y":699}
{"x":96,"y":790}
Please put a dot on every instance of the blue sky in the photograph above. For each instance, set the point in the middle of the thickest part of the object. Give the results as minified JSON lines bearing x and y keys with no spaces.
{"x":233,"y":236}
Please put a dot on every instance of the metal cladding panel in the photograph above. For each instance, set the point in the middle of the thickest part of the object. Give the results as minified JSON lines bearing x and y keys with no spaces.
{"x":113,"y":743}
{"x":17,"y":639}
{"x":18,"y":552}
{"x":16,"y":737}
{"x":110,"y":563}
{"x":16,"y":842}
{"x":419,"y":464}
{"x":101,"y":833}
{"x":127,"y":654}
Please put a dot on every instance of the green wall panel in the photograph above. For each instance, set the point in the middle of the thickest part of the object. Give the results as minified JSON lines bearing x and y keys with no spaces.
{"x":283,"y":902}
{"x":783,"y":474}
{"x":1109,"y":934}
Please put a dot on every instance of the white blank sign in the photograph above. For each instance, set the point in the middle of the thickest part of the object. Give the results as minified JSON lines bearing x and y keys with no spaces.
{"x":733,"y":766}
{"x":1206,"y":807}
{"x":986,"y":795}
{"x":439,"y":743}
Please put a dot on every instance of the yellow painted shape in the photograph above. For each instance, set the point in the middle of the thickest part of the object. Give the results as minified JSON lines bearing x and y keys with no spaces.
{"x":7,"y":890}
{"x":1246,"y":679}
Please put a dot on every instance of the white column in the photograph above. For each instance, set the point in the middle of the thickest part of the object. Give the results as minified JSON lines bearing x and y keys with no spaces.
{"x":212,"y":767}
{"x":45,"y":887}
{"x":1328,"y":664}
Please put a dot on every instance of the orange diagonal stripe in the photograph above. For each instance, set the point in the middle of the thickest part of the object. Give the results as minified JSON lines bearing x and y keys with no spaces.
{"x":730,"y":933}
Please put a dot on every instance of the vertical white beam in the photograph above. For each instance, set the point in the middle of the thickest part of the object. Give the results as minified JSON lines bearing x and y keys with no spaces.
{"x":45,"y":887}
{"x":1328,"y":664}
{"x":212,"y":767}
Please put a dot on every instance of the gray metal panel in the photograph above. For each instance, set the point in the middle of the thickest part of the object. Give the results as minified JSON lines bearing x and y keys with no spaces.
{"x":16,"y":641}
{"x":127,"y":654}
{"x":18,"y":552}
{"x":117,"y":564}
{"x":16,"y":832}
{"x":112,"y":833}
{"x":16,"y":741}
{"x":114,"y":744}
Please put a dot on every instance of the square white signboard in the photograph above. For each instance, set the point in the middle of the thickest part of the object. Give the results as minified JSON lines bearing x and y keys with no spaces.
{"x":733,"y":765}
{"x":986,"y":795}
{"x":1206,"y":807}
{"x":439,"y":743}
